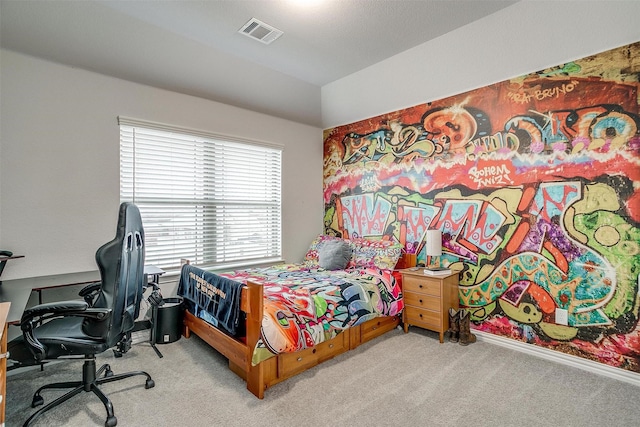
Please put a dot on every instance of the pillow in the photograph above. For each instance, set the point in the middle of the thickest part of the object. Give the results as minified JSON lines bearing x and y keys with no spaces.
{"x":311,"y":257}
{"x":383,"y":254}
{"x":334,"y":255}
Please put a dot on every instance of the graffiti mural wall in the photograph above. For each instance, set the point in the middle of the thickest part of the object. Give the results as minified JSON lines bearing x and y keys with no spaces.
{"x":535,"y":185}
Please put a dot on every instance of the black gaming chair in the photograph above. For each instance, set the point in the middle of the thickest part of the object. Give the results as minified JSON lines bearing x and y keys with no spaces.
{"x":75,"y":329}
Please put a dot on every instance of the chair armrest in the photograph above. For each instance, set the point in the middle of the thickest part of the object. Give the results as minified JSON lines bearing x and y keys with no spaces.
{"x":90,"y":291}
{"x":91,"y":287}
{"x":42,"y":312}
{"x":61,"y":307}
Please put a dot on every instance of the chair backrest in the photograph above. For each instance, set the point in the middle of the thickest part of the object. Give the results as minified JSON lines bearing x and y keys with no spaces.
{"x":121,"y":264}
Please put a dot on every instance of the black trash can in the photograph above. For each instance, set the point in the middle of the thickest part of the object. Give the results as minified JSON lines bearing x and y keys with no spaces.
{"x":167,"y":324}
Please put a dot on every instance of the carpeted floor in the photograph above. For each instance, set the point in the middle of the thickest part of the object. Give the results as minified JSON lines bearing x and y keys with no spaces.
{"x":396,"y":380}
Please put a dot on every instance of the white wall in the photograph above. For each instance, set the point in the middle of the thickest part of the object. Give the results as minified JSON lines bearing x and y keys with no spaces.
{"x":59,"y":165}
{"x":523,"y":38}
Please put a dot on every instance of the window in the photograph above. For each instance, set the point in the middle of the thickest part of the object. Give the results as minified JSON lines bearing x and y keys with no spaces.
{"x":210,"y":199}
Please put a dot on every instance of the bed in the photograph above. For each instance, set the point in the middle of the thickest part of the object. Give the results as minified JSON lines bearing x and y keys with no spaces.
{"x":275,"y":322}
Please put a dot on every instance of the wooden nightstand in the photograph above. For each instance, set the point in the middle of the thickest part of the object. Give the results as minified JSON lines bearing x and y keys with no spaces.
{"x":427,"y":300}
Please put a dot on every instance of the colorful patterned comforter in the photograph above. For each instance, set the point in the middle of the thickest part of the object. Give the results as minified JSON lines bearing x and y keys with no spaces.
{"x":306,"y":306}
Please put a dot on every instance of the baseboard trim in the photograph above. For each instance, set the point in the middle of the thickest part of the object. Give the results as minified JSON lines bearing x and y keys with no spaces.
{"x":566,"y":359}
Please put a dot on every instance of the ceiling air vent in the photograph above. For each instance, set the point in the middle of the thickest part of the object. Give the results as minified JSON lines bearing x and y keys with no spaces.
{"x":260,"y":31}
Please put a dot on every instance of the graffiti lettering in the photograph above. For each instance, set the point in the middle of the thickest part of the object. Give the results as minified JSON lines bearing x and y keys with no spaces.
{"x":490,"y":175}
{"x":498,"y":142}
{"x":556,"y":91}
{"x":364,"y":217}
{"x":414,"y":223}
{"x":364,"y":147}
{"x":475,"y":223}
{"x":523,"y":98}
{"x":537,"y":198}
{"x":493,"y":180}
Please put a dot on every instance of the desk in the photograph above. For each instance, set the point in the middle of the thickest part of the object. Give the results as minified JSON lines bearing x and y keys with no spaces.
{"x":6,"y":256}
{"x":18,"y":297}
{"x":39,"y":284}
{"x":17,"y":291}
{"x":11,"y":289}
{"x":153,"y":272}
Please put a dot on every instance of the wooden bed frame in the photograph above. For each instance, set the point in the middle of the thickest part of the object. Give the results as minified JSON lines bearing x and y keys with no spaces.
{"x":282,"y":366}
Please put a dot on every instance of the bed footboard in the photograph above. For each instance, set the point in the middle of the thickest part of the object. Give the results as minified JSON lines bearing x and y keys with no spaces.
{"x":239,"y":352}
{"x":282,"y":366}
{"x":234,"y":350}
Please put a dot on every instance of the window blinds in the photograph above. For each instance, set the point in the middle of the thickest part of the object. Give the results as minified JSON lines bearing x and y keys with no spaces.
{"x":213,"y":200}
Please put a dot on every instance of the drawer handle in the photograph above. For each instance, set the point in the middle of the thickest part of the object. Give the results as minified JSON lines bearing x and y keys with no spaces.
{"x":299,"y":359}
{"x":420,"y":301}
{"x":421,"y":316}
{"x":330,"y":345}
{"x":314,"y":350}
{"x":420,"y":286}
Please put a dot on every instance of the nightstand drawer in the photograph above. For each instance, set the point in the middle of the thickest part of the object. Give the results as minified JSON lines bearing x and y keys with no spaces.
{"x":423,"y":318}
{"x":422,"y":301}
{"x":421,"y":284}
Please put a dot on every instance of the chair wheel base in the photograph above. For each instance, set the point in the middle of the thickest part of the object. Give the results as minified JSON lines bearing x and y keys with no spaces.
{"x":37,"y":401}
{"x":91,"y":380}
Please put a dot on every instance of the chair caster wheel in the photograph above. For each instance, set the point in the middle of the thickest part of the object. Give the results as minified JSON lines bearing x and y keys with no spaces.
{"x":111,"y":422}
{"x":107,"y":371}
{"x":149,"y":384}
{"x":37,"y":401}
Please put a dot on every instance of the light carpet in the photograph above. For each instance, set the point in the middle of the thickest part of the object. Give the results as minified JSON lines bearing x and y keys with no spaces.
{"x":395,"y":380}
